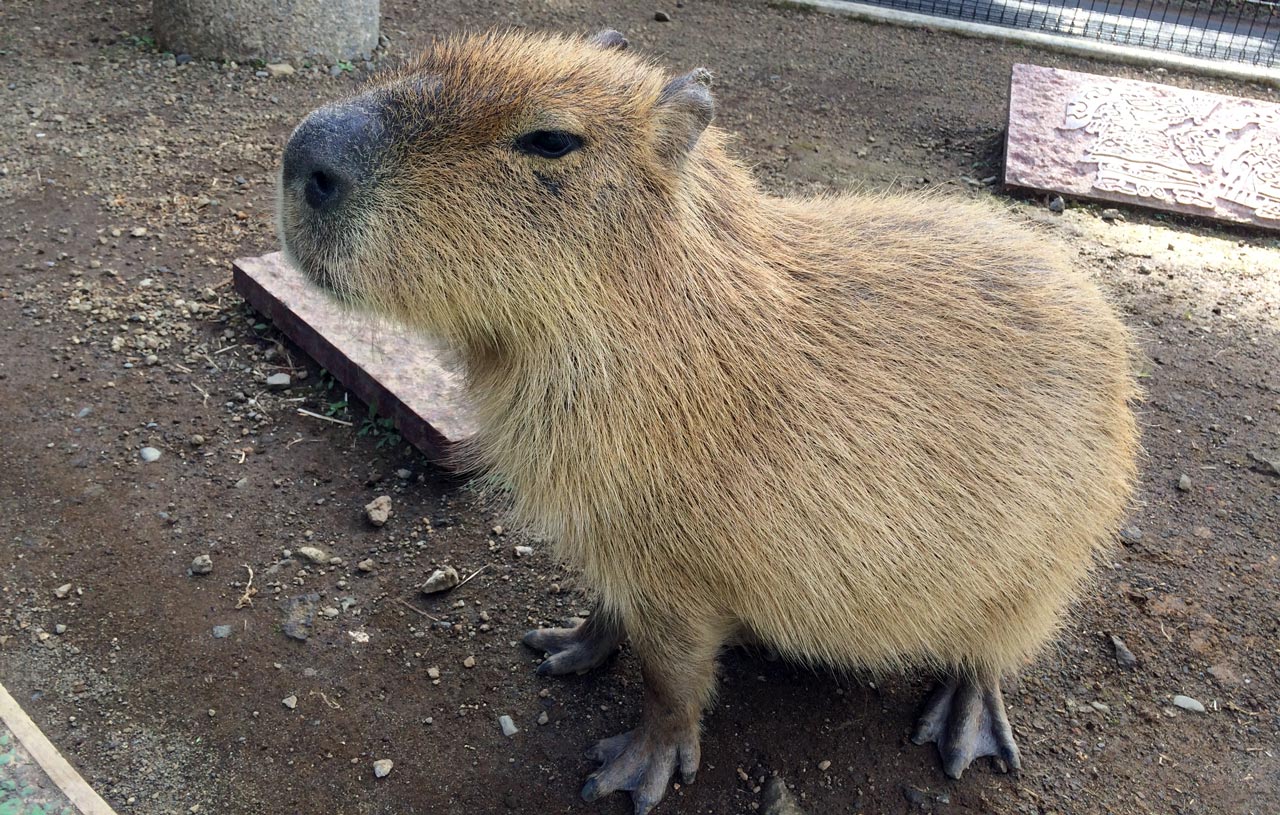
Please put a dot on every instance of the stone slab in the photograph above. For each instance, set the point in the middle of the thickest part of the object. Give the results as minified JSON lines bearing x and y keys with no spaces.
{"x":406,"y":377}
{"x":1140,"y":143}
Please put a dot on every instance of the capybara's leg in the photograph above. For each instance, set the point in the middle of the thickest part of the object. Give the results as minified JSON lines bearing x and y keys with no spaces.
{"x":679,"y":674}
{"x":965,"y":718}
{"x":578,"y":649}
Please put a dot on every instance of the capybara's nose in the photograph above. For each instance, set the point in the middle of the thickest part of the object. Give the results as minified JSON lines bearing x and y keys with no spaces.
{"x":328,"y":156}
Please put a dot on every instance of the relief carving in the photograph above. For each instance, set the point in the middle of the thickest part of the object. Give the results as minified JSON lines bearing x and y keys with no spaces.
{"x":1162,"y":148}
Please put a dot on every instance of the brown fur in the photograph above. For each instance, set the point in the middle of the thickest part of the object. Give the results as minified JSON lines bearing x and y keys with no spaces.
{"x":870,"y":431}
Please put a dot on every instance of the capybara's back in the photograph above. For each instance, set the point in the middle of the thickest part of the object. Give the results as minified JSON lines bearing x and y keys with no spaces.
{"x":870,"y":431}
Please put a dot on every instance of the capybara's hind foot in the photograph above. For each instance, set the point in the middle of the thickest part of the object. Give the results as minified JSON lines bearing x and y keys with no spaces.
{"x":642,"y":761}
{"x":966,"y":719}
{"x":578,"y":649}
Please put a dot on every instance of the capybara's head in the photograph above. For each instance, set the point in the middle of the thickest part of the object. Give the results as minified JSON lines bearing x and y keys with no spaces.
{"x":493,"y":181}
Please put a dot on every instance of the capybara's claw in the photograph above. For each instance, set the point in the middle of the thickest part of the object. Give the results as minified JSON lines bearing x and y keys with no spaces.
{"x":642,"y":764}
{"x":577,"y":649}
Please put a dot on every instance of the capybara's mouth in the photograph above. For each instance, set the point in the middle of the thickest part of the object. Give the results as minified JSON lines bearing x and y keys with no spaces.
{"x":325,"y":177}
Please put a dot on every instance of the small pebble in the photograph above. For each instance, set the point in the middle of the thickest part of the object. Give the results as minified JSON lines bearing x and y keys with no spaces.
{"x":509,"y":728}
{"x":149,"y":454}
{"x":378,"y":510}
{"x":404,"y":475}
{"x":1130,"y":535}
{"x":433,"y":672}
{"x":62,"y":591}
{"x":1056,"y":204}
{"x":365,"y":565}
{"x":441,"y":580}
{"x":469,"y":662}
{"x":1187,"y":703}
{"x":824,"y":765}
{"x":661,"y":17}
{"x":59,"y":629}
{"x":543,"y":718}
{"x":382,"y":767}
{"x":201,"y":564}
{"x":221,"y":632}
{"x":1112,"y":215}
{"x":522,"y":551}
{"x":311,"y":553}
{"x":1123,"y":655}
{"x":279,"y":382}
{"x":1184,"y":482}
{"x":279,"y":69}
{"x":290,"y":701}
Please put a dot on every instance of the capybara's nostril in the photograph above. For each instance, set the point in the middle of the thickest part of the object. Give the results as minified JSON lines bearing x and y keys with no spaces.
{"x":324,"y":190}
{"x":328,"y":156}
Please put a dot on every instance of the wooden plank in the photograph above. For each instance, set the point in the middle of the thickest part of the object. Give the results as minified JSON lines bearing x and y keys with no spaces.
{"x":406,"y":377}
{"x":59,"y":771}
{"x":1191,"y":152}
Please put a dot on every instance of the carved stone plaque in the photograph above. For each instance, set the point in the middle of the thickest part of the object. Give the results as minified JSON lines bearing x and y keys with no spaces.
{"x":1141,"y":143}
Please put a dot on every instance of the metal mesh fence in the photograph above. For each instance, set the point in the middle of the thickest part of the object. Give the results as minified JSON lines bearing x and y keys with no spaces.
{"x":1245,"y":31}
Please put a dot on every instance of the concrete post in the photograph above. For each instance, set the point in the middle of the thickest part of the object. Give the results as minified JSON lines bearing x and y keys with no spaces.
{"x":324,"y":31}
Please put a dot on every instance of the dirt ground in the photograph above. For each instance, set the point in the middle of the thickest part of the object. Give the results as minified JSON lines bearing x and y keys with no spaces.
{"x":128,"y":183}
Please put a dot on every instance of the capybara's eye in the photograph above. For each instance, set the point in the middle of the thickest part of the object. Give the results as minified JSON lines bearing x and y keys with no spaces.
{"x":548,"y":143}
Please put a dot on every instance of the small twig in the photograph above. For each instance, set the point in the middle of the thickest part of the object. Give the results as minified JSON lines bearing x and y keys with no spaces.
{"x":468,"y":577}
{"x":225,"y":350}
{"x":246,"y":599}
{"x":322,"y":417}
{"x":320,"y":693}
{"x":202,"y":392}
{"x":182,"y":368}
{"x":212,"y":364}
{"x":417,"y":610}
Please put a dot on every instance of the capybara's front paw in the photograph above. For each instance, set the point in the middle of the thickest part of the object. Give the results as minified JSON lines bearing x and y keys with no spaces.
{"x":575,"y":650}
{"x":642,"y":761}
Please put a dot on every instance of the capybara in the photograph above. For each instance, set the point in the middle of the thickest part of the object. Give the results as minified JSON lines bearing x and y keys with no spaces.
{"x":877,"y":432}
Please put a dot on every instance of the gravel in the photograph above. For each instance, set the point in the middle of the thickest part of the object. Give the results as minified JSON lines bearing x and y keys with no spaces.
{"x":382,"y":767}
{"x":201,"y":564}
{"x":508,"y":726}
{"x":149,"y":454}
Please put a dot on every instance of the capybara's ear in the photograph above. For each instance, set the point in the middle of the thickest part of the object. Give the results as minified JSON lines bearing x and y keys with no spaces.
{"x":609,"y":39}
{"x":684,"y":110}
